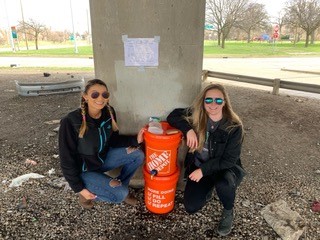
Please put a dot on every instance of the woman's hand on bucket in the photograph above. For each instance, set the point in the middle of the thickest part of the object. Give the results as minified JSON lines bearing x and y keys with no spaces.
{"x":192,"y":139}
{"x":196,"y":175}
{"x":140,"y":135}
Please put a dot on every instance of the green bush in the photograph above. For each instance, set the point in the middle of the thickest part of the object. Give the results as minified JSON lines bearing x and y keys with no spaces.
{"x":285,"y":37}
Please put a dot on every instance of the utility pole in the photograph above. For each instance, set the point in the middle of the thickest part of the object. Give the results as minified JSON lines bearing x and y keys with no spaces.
{"x":24,"y":27}
{"x":10,"y":37}
{"x":88,"y":25}
{"x":74,"y":36}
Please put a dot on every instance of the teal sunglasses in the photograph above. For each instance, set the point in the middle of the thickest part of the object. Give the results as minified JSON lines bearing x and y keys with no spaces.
{"x":209,"y":100}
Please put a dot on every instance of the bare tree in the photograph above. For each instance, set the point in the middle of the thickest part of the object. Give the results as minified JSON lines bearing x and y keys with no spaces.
{"x":223,"y":14}
{"x":3,"y":36}
{"x":304,"y":14}
{"x":32,"y":28}
{"x":56,"y":36}
{"x":254,"y":17}
{"x":313,"y":36}
{"x":280,"y":21}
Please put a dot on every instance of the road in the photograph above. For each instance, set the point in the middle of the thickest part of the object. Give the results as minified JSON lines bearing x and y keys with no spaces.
{"x":257,"y":67}
{"x":269,"y":68}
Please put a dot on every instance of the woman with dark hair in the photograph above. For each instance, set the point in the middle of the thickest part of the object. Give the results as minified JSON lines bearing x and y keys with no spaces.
{"x":214,"y":134}
{"x":90,"y":145}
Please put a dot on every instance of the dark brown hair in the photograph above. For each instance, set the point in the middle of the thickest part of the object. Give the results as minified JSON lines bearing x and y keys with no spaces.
{"x":84,"y":107}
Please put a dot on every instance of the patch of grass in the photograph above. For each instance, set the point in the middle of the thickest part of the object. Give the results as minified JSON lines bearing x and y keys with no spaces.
{"x":211,"y":49}
{"x":83,"y":51}
{"x":260,"y":49}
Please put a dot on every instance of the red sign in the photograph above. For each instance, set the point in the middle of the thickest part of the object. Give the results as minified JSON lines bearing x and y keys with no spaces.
{"x":275,"y":31}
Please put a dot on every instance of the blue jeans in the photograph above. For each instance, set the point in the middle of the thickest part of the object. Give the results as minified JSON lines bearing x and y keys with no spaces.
{"x":98,"y":182}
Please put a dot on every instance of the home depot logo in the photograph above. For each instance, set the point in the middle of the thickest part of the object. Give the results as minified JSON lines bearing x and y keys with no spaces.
{"x":158,"y":160}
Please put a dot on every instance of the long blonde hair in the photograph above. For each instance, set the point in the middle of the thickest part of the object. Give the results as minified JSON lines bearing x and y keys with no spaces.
{"x":199,"y":117}
{"x":84,"y":107}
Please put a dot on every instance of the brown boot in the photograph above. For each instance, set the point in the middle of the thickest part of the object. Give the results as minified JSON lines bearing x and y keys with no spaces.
{"x":85,"y":203}
{"x":131,"y":200}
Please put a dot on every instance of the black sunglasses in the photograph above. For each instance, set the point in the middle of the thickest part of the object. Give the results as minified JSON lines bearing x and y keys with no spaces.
{"x":209,"y":100}
{"x":95,"y":95}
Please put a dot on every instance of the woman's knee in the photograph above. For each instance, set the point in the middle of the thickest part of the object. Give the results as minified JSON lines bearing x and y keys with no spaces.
{"x":139,"y":157}
{"x":141,"y":154}
{"x":230,"y":178}
{"x":120,"y":194}
{"x":225,"y":188}
{"x":191,"y":208}
{"x":192,"y":205}
{"x":113,"y":195}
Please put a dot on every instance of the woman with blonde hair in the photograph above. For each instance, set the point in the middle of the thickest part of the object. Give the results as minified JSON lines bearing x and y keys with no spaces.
{"x":214,"y":134}
{"x":90,"y":145}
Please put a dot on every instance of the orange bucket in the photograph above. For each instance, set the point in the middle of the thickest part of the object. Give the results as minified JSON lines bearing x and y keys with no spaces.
{"x":162,"y":150}
{"x":159,"y":192}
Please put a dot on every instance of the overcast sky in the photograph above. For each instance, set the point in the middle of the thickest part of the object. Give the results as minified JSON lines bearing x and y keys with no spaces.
{"x":273,"y":7}
{"x":53,"y":13}
{"x":57,"y":13}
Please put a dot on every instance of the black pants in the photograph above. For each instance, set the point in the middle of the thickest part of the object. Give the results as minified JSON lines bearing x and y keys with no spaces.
{"x":196,"y":192}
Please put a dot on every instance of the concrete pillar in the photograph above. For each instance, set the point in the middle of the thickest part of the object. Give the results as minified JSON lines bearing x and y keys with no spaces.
{"x":138,"y":93}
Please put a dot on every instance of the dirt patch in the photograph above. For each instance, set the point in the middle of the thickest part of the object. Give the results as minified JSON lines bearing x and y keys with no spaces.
{"x":281,"y":155}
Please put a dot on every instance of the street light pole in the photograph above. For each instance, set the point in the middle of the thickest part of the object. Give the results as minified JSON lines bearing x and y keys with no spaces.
{"x":74,"y":36}
{"x":10,"y":37}
{"x":88,"y":25}
{"x":24,"y":27}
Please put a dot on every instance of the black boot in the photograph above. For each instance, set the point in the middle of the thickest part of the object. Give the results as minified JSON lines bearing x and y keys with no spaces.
{"x":225,"y":223}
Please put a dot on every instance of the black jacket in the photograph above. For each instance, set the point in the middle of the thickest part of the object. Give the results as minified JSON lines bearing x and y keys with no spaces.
{"x":224,"y":144}
{"x":88,"y":153}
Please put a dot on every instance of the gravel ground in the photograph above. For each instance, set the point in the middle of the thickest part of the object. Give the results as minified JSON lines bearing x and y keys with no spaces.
{"x":281,"y":155}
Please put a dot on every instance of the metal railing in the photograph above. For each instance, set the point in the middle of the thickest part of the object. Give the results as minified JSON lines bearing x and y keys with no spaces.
{"x":275,"y":83}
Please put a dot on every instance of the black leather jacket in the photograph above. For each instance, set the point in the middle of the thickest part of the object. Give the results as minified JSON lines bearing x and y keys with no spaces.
{"x":224,"y":144}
